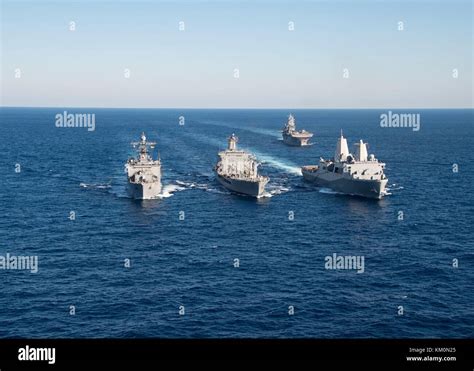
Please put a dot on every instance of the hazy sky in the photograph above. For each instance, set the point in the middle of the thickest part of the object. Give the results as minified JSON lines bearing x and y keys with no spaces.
{"x":278,"y":68}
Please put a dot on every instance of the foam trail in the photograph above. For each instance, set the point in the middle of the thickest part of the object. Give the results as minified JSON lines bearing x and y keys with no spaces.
{"x":394,"y":187}
{"x":277,"y":190}
{"x":329,"y":191}
{"x":277,"y":163}
{"x":95,"y":186}
{"x":191,"y":185}
{"x":272,"y":133}
{"x":169,"y":189}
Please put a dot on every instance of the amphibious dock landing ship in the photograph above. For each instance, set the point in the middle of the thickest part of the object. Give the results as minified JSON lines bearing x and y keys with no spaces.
{"x":358,"y":174}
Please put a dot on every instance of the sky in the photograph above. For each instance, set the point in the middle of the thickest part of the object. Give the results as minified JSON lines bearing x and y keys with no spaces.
{"x":340,"y":54}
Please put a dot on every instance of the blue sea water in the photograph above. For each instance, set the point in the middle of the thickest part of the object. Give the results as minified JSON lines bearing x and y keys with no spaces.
{"x":190,"y":262}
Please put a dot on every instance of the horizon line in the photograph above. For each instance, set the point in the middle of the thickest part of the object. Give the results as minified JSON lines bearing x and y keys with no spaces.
{"x":248,"y":108}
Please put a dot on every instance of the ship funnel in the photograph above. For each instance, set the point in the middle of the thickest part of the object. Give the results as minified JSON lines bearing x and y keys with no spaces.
{"x":342,"y":150}
{"x":362,"y":151}
{"x":232,"y":142}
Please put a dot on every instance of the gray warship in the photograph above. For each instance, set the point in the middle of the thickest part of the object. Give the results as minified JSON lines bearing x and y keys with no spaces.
{"x":236,"y":170}
{"x":293,"y":137}
{"x":358,"y":175}
{"x":144,"y":173}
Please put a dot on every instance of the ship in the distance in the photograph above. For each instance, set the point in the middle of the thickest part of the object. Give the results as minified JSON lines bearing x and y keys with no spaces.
{"x":144,"y":173}
{"x":237,"y":171}
{"x":293,"y":137}
{"x":358,"y":174}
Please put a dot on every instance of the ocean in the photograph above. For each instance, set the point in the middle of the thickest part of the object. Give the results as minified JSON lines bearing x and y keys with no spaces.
{"x":233,"y":266}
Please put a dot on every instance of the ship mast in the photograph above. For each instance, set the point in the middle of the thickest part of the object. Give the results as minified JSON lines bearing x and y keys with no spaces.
{"x":232,"y":140}
{"x":142,"y":146}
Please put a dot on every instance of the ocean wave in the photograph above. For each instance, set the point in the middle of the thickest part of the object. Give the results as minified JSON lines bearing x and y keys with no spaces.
{"x":222,"y":191}
{"x":394,"y":187}
{"x":192,"y":185}
{"x":203,"y":186}
{"x":329,"y":191}
{"x":277,"y":190}
{"x":95,"y":186}
{"x":169,"y":189}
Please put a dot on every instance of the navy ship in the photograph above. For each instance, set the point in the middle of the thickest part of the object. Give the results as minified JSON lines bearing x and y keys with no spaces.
{"x":144,"y":173}
{"x":293,"y":137}
{"x":358,"y":174}
{"x":237,"y":171}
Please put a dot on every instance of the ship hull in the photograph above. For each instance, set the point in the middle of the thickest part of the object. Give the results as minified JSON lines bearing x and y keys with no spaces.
{"x":145,"y":191}
{"x":245,"y":187}
{"x":356,"y":187}
{"x":296,"y":141}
